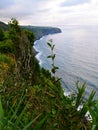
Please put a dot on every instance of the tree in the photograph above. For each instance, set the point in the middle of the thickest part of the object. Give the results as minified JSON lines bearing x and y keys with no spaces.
{"x":14,"y":25}
{"x":15,"y":36}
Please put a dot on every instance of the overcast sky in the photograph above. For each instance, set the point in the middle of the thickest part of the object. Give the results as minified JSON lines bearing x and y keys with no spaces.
{"x":50,"y":12}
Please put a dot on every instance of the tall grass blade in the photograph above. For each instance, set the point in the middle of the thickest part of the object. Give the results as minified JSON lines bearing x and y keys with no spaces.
{"x":39,"y":125}
{"x":20,"y":116}
{"x":30,"y":123}
{"x":1,"y":114}
{"x":80,"y":94}
{"x":17,"y":108}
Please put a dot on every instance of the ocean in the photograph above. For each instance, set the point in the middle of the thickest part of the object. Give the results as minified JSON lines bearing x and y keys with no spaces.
{"x":76,"y":50}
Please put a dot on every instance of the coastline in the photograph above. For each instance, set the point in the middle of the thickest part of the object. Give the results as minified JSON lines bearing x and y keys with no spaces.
{"x":36,"y":52}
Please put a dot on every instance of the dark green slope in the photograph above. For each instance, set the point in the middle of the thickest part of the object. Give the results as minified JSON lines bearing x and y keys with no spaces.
{"x":42,"y":31}
{"x":3,"y":25}
{"x":37,"y":30}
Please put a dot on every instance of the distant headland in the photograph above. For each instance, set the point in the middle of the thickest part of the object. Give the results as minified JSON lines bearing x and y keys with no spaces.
{"x":38,"y":31}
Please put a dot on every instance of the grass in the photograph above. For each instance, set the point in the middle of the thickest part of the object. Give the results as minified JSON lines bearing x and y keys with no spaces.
{"x":13,"y":119}
{"x":6,"y":59}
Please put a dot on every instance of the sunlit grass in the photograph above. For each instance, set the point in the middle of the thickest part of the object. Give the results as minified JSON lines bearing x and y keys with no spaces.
{"x":6,"y":62}
{"x":4,"y":58}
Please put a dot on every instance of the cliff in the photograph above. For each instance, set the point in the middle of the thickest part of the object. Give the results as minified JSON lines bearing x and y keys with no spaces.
{"x":30,"y":98}
{"x":38,"y":31}
{"x":3,"y":25}
{"x":41,"y":31}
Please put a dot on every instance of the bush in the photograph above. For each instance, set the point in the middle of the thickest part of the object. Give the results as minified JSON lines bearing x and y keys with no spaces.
{"x":6,"y":46}
{"x":1,"y":34}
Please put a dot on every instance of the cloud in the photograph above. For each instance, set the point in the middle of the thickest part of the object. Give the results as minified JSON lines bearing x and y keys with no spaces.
{"x":6,"y":3}
{"x":74,"y":2}
{"x":50,"y":12}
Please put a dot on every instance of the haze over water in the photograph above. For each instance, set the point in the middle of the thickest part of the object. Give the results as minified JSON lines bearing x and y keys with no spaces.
{"x":76,"y":51}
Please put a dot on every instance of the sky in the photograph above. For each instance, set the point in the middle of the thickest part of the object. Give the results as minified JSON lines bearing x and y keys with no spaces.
{"x":50,"y":12}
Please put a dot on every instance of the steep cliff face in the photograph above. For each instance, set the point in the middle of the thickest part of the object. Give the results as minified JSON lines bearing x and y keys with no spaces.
{"x":25,"y":52}
{"x":27,"y":64}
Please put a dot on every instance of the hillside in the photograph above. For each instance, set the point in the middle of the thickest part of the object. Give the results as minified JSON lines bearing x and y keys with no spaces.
{"x":41,"y":31}
{"x":30,"y":97}
{"x":3,"y":25}
{"x":37,"y":30}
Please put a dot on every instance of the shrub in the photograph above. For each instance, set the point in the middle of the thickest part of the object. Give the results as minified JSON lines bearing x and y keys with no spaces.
{"x":6,"y":46}
{"x":1,"y":34}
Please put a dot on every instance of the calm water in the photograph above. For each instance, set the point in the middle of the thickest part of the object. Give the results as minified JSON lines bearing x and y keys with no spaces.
{"x":76,"y":51}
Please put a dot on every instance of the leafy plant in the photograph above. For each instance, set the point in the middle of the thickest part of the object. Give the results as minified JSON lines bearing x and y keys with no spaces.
{"x":86,"y":104}
{"x":94,"y":113}
{"x":52,"y":56}
{"x":13,"y":118}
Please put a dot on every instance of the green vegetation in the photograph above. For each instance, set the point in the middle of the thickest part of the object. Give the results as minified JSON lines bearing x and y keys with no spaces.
{"x":6,"y":46}
{"x":38,"y":31}
{"x":1,"y":34}
{"x":52,"y":56}
{"x":41,"y":31}
{"x":3,"y":25}
{"x":30,"y":36}
{"x":32,"y":98}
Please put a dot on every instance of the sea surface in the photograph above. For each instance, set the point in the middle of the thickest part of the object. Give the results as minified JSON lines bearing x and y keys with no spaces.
{"x":76,"y":50}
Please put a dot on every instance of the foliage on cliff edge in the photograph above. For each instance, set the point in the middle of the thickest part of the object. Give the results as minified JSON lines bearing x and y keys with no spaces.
{"x":30,"y":99}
